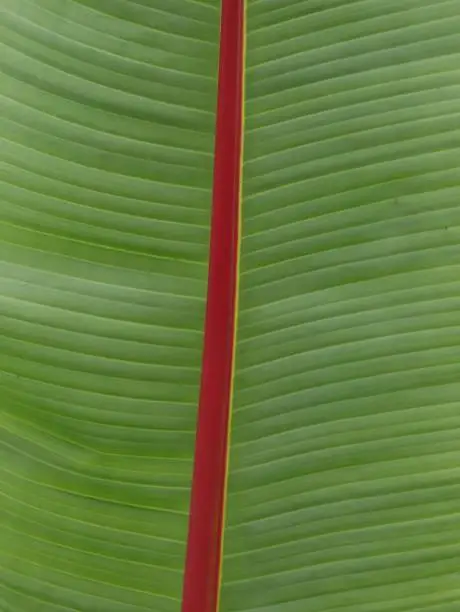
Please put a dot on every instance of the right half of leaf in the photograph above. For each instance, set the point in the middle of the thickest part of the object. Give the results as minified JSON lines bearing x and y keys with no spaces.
{"x":344,"y":464}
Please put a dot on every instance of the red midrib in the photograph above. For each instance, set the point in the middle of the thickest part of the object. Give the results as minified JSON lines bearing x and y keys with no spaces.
{"x":203,"y":561}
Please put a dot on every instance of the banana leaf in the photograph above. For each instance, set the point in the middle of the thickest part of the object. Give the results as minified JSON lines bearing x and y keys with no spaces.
{"x":343,"y":480}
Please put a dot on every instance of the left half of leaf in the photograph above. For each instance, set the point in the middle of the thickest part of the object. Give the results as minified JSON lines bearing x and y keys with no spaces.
{"x":107,"y":130}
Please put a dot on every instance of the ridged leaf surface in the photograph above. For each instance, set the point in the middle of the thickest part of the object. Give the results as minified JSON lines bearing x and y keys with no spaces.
{"x":107,"y":131}
{"x":344,"y":480}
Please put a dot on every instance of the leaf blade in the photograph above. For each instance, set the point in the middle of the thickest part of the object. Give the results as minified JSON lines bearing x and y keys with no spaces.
{"x":343,"y":480}
{"x":107,"y":141}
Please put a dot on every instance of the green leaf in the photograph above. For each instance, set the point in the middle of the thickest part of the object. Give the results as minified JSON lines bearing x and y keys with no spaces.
{"x":344,"y":478}
{"x":107,"y":124}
